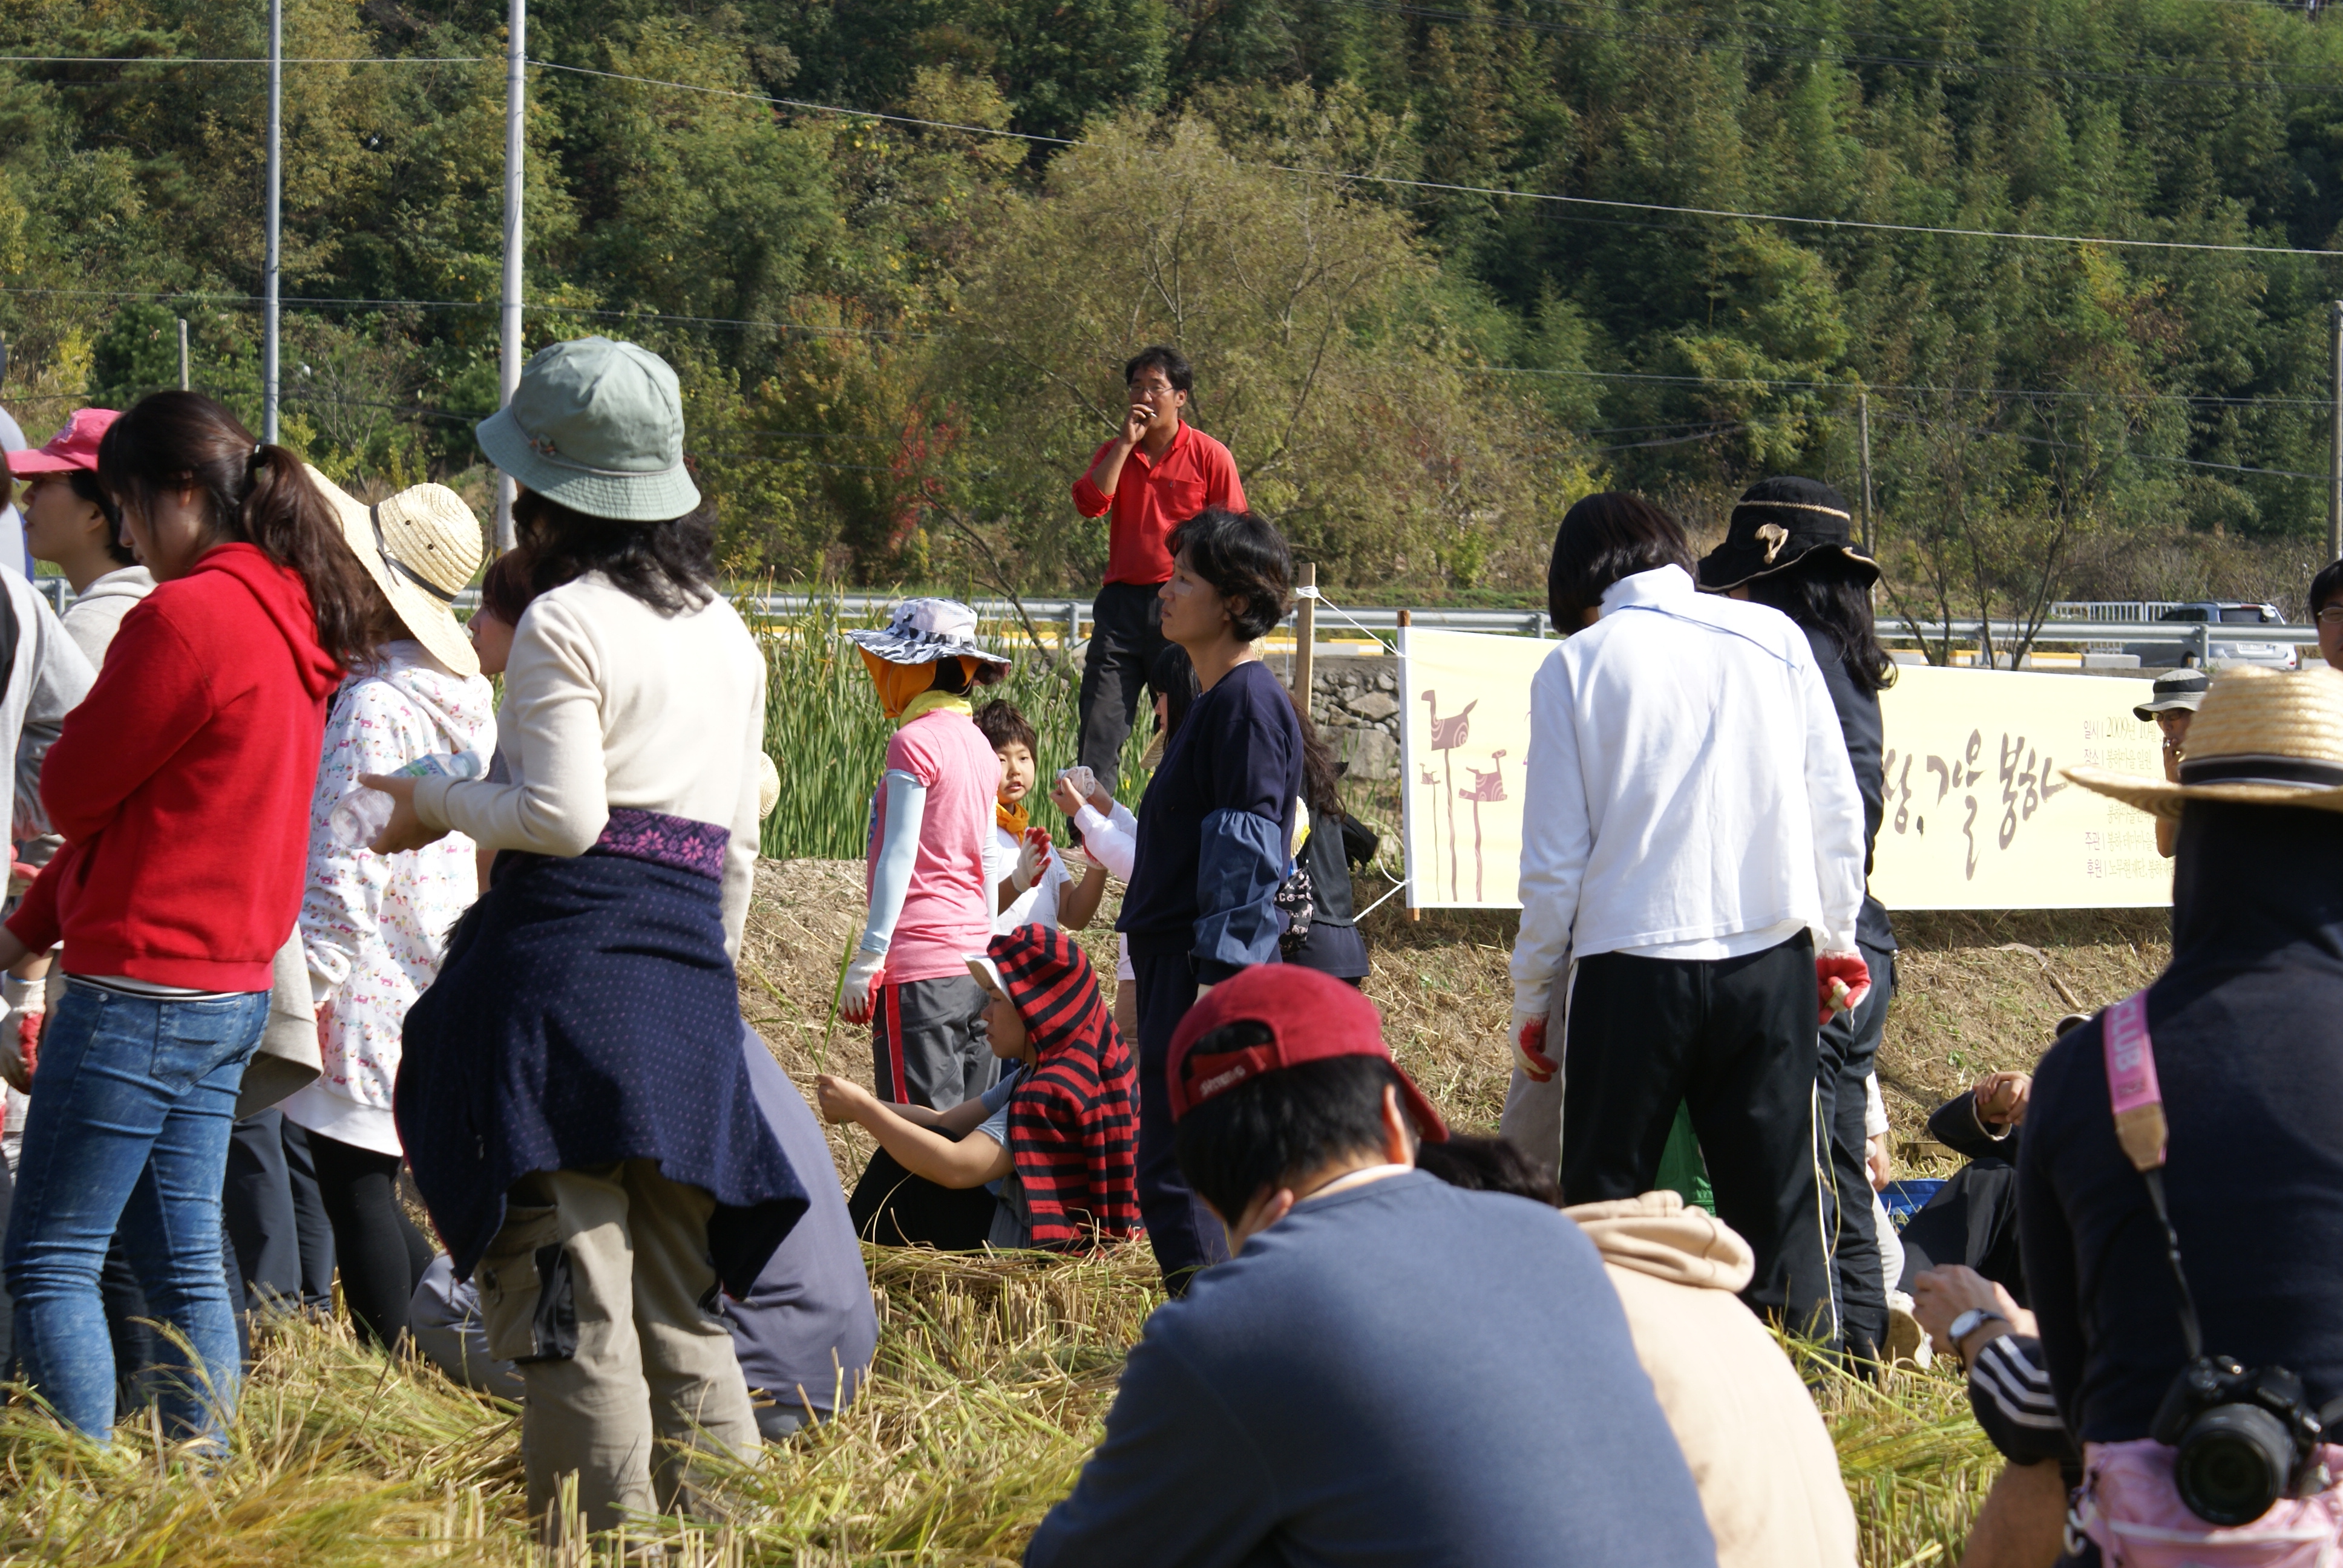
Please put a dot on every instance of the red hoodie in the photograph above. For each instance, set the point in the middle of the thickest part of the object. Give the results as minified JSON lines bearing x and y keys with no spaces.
{"x":182,"y":784}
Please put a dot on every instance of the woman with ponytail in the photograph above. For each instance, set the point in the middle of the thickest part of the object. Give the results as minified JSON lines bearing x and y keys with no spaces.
{"x":181,"y":785}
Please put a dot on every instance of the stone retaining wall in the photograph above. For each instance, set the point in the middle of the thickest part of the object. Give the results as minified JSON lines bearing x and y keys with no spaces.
{"x":1354,"y":700}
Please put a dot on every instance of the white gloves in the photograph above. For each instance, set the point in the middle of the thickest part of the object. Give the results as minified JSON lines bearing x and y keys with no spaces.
{"x":854,"y":997}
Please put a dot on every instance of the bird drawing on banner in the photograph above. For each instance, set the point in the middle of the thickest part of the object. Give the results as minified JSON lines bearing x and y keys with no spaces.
{"x":1490,"y":786}
{"x":1447,"y":734}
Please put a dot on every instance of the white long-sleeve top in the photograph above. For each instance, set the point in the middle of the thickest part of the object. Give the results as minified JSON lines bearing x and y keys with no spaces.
{"x":608,"y":703}
{"x":1687,"y":780}
{"x":1113,"y":841}
{"x":374,"y":928}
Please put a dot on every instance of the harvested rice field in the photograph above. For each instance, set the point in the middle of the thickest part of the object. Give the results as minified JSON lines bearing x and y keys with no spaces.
{"x":993,"y":1373}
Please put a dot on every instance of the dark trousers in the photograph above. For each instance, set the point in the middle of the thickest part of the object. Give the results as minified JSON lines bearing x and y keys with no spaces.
{"x":1185,"y":1234}
{"x":1849,"y":1046}
{"x":1734,"y":1041}
{"x":1972,"y":1219}
{"x":1126,"y":634}
{"x":894,"y":1207}
{"x":274,"y":1215}
{"x":379,"y":1252}
{"x":928,"y":1045}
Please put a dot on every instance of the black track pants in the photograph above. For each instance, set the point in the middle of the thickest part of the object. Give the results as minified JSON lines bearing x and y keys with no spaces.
{"x":1850,"y":1045}
{"x":1182,"y":1232}
{"x":1733,"y":1041}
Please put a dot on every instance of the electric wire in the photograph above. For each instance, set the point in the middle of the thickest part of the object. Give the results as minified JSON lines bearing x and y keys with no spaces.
{"x":1394,"y":180}
{"x":1721,"y":45}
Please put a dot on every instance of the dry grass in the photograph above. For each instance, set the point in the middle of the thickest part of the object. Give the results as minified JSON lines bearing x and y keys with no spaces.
{"x":993,"y":1373}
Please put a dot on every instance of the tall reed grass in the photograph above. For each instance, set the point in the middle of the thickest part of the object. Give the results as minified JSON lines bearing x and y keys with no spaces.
{"x":827,"y":737}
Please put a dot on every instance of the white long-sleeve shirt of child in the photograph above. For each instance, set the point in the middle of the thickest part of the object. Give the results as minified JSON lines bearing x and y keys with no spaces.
{"x":1688,"y":792}
{"x":1113,"y":841}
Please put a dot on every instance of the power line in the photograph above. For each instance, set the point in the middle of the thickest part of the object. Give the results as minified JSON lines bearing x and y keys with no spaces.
{"x":802,"y":104}
{"x":2246,"y":401}
{"x":2209,"y":399}
{"x":1834,"y":222}
{"x":1439,"y":13}
{"x":239,"y":59}
{"x":192,"y":298}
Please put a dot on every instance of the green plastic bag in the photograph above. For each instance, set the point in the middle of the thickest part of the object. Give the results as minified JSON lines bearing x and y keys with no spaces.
{"x":1682,"y":1170}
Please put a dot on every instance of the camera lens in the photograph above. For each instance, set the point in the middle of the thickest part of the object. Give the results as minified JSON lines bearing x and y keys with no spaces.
{"x":2234,"y":1462}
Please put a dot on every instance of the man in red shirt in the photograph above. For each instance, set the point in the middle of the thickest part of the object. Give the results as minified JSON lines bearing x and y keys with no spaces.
{"x":1155,"y":475}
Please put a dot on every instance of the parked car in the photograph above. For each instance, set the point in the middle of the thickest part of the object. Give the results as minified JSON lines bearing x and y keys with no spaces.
{"x":2222,"y":647}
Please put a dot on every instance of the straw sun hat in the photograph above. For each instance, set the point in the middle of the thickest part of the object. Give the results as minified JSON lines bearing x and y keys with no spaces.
{"x":2262,"y":737}
{"x":421,"y":547}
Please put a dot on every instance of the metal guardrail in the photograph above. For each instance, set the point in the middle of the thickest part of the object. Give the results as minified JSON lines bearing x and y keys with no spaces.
{"x":1068,"y":617}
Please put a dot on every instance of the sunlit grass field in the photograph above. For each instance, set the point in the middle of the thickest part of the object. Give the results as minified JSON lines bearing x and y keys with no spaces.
{"x":991,"y":1378}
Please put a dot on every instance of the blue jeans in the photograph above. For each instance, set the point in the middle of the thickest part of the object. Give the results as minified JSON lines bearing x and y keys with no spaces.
{"x":131,"y":1110}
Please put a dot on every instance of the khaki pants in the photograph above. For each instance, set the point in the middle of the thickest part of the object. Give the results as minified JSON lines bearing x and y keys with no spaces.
{"x":594,"y":1288}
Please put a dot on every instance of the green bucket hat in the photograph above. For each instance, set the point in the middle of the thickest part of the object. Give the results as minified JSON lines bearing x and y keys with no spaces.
{"x":597,"y":425}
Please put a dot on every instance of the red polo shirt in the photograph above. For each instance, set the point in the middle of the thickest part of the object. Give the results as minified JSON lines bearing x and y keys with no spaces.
{"x":1154,"y":497}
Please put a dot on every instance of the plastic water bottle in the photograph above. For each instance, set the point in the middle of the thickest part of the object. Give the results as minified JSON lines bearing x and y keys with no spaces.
{"x":360,"y":816}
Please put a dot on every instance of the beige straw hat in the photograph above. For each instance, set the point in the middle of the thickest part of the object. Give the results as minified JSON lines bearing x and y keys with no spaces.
{"x":2262,"y":737}
{"x":421,"y":547}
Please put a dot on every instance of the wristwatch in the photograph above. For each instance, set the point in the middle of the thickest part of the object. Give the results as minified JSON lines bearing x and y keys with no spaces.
{"x":1968,"y":1323}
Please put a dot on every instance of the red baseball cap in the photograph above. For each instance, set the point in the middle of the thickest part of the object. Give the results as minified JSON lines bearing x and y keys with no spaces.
{"x":75,"y":446}
{"x":1310,"y":1016}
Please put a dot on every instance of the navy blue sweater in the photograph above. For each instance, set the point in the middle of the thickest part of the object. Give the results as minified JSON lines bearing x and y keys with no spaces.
{"x":1214,"y":827}
{"x":1401,"y":1374}
{"x":2248,"y":1027}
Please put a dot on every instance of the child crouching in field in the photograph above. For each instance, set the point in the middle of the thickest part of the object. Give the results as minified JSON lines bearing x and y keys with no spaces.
{"x":1031,"y":882}
{"x":1057,"y":1140}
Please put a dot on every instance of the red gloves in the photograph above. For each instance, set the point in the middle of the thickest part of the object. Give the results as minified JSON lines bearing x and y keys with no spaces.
{"x":1529,"y":1049}
{"x":1841,"y":982}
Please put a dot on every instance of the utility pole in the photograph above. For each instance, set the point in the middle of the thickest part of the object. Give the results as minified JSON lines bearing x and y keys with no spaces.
{"x":2335,"y":448}
{"x":515,"y":152}
{"x":268,"y":324}
{"x":183,"y":354}
{"x":1305,"y":629}
{"x":1863,"y":426}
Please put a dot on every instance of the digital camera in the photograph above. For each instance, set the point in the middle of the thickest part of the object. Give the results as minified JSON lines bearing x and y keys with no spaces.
{"x":2245,"y":1438}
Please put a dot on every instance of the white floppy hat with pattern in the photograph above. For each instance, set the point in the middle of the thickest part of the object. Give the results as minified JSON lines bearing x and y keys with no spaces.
{"x":923,"y":630}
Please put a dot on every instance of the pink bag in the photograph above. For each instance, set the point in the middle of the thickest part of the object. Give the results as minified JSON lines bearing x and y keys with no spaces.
{"x":2128,"y":1505}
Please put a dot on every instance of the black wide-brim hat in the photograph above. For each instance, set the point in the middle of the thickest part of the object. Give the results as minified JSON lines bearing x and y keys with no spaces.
{"x":1776,"y":525}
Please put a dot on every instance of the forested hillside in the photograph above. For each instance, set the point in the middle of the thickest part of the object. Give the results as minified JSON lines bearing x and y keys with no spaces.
{"x":899,"y":337}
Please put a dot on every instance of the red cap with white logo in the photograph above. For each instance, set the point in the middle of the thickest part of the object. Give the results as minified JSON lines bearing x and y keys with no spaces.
{"x":1309,"y":1017}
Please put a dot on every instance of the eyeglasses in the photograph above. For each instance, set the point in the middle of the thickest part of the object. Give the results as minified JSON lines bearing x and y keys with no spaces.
{"x":2331,"y":616}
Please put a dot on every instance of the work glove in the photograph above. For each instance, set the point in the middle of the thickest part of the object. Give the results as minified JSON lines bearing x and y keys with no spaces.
{"x":1528,"y":1036}
{"x":856,"y":998}
{"x":1841,"y":982}
{"x":1032,"y":858}
{"x":20,"y":1035}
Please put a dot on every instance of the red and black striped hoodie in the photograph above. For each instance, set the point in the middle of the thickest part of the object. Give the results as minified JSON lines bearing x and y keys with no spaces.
{"x":1073,"y":1123}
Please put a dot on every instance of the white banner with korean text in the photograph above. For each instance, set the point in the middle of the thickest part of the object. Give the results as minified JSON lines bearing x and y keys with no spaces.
{"x":1976,"y":814}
